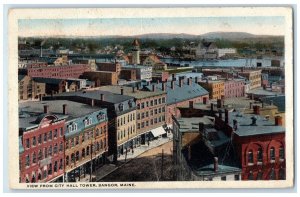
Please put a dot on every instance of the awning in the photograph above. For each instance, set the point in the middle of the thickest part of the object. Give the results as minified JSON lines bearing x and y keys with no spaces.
{"x":158,"y":131}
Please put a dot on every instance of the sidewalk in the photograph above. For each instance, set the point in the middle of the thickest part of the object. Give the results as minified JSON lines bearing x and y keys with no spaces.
{"x":109,"y":168}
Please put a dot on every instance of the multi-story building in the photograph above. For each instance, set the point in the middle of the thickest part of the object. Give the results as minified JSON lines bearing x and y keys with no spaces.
{"x":29,"y":88}
{"x":214,"y":87}
{"x":41,"y":136}
{"x":253,"y":76}
{"x":109,"y":66}
{"x":142,"y":72}
{"x":129,"y":75}
{"x":225,"y":51}
{"x":179,"y":93}
{"x":150,"y":111}
{"x":153,"y":61}
{"x":234,"y":88}
{"x":60,"y":71}
{"x":121,"y":112}
{"x":101,"y":77}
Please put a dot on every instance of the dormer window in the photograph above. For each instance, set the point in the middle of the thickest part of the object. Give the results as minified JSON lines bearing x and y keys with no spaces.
{"x":130,"y":104}
{"x":101,"y":116}
{"x":87,"y":122}
{"x":72,"y":127}
{"x":121,"y":107}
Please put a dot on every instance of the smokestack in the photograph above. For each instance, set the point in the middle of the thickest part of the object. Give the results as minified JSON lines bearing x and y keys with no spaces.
{"x":122,"y":91}
{"x":65,"y":110}
{"x":189,"y":81}
{"x":102,"y":97}
{"x":153,"y":87}
{"x":180,"y":82}
{"x":219,"y":103}
{"x":191,"y":104}
{"x":256,"y":109}
{"x":220,"y":114}
{"x":41,"y":55}
{"x":278,"y":120}
{"x":92,"y":102}
{"x":204,"y":100}
{"x":163,"y":86}
{"x":216,"y":164}
{"x":201,"y":126}
{"x":173,"y":85}
{"x":212,"y":107}
{"x":46,"y":109}
{"x":226,"y":116}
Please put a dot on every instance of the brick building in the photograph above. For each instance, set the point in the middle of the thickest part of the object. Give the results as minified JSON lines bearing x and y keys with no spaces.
{"x":101,"y":77}
{"x":214,"y":87}
{"x":253,"y":76}
{"x":60,"y":71}
{"x":121,"y":112}
{"x":109,"y":66}
{"x":30,"y":89}
{"x":179,"y":93}
{"x":41,"y":143}
{"x":234,"y":88}
{"x":129,"y":75}
{"x":150,"y":111}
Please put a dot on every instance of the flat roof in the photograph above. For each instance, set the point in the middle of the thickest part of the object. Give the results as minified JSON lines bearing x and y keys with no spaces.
{"x":139,"y":94}
{"x":192,"y":124}
{"x":30,"y":111}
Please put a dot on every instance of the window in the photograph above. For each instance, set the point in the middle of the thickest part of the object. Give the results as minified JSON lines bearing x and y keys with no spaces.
{"x":55,"y":133}
{"x":236,"y":177}
{"x":76,"y":140}
{"x":138,"y":106}
{"x":159,"y":110}
{"x":34,"y":141}
{"x":72,"y":142}
{"x":281,"y":153}
{"x":272,"y":174}
{"x":46,"y":152}
{"x":138,"y":116}
{"x":259,"y":175}
{"x":281,"y":174}
{"x":250,"y":176}
{"x":87,"y":150}
{"x":121,"y":107}
{"x":163,"y":109}
{"x":27,"y":142}
{"x":250,"y":156}
{"x":159,"y":101}
{"x":163,"y":100}
{"x":83,"y":153}
{"x":147,"y":103}
{"x":40,"y":139}
{"x":50,"y":168}
{"x":40,"y":155}
{"x":77,"y":156}
{"x":151,"y":113}
{"x":67,"y":160}
{"x":50,"y":135}
{"x":61,"y":147}
{"x":61,"y":132}
{"x":138,"y":126}
{"x":67,"y":144}
{"x":34,"y":158}
{"x":142,"y":105}
{"x":72,"y":127}
{"x":151,"y":103}
{"x":55,"y":166}
{"x":50,"y":150}
{"x":155,"y":102}
{"x":259,"y":155}
{"x":130,"y":104}
{"x":104,"y":145}
{"x":223,"y":178}
{"x":272,"y":153}
{"x":27,"y":160}
{"x":82,"y":138}
{"x":55,"y":149}
{"x":72,"y":157}
{"x":45,"y":137}
{"x":97,"y":132}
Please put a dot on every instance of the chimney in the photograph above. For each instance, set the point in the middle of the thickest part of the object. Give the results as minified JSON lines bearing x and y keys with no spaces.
{"x":196,"y":79}
{"x":235,"y":125}
{"x":201,"y":126}
{"x":253,"y":121}
{"x":204,"y":100}
{"x":180,"y":82}
{"x":212,"y":107}
{"x":92,"y":102}
{"x":256,"y":109}
{"x":250,"y":105}
{"x":226,"y":116}
{"x":173,"y":85}
{"x":46,"y":109}
{"x":65,"y":110}
{"x":189,"y":81}
{"x":271,"y":102}
{"x":153,"y":87}
{"x":102,"y":97}
{"x":163,"y":86}
{"x":191,"y":104}
{"x":278,"y":120}
{"x":122,"y":91}
{"x":216,"y":165}
{"x":174,"y":77}
{"x":220,"y":114}
{"x":133,"y":89}
{"x":219,"y":103}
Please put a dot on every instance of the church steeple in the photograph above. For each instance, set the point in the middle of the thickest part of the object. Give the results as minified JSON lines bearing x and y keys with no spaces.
{"x":136,"y":52}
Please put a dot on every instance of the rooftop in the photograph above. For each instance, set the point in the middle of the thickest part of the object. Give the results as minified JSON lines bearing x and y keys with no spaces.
{"x":192,"y":124}
{"x":30,"y":113}
{"x":245,"y":127}
{"x":278,"y":101}
{"x":95,"y":94}
{"x":139,"y":94}
{"x":178,"y":94}
{"x":262,"y":92}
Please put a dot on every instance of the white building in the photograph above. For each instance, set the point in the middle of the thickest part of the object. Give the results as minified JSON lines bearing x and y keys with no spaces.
{"x":142,"y":72}
{"x":223,"y":52}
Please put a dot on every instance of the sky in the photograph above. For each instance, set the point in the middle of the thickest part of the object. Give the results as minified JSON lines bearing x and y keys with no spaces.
{"x":264,"y":25}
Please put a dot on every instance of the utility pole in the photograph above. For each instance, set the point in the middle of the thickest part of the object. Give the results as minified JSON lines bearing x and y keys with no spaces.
{"x":162,"y":164}
{"x":91,"y":161}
